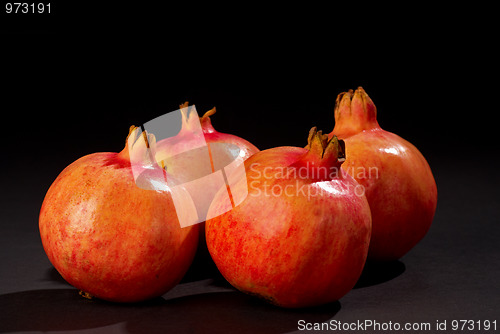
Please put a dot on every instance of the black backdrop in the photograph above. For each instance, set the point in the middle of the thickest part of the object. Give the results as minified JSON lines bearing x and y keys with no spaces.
{"x":74,"y":88}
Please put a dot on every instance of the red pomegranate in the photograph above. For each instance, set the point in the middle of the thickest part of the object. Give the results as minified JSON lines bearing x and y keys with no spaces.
{"x":399,"y":183}
{"x":110,"y":238}
{"x":301,"y":236}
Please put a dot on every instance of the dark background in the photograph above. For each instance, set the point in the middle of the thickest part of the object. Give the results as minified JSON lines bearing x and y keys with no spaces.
{"x":72,"y":84}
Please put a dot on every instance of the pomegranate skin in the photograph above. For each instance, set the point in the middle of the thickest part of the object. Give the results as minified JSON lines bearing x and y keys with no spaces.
{"x":110,"y":238}
{"x":294,"y":250}
{"x":398,"y":181}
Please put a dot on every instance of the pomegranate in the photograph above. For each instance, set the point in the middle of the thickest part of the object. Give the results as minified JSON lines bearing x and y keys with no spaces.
{"x":110,"y":238}
{"x":398,"y":181}
{"x":301,"y":236}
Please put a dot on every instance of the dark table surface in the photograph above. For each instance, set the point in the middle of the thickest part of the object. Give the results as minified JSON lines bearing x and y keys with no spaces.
{"x":453,"y":274}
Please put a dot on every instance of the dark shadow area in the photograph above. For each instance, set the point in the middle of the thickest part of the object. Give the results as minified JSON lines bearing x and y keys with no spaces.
{"x":226,"y":312}
{"x":218,"y":312}
{"x":220,"y":282}
{"x":63,"y":310}
{"x":379,"y":272}
{"x":203,"y":266}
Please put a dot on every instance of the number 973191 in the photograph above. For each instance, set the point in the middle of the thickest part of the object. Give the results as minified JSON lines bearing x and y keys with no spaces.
{"x":27,"y":8}
{"x":472,"y":325}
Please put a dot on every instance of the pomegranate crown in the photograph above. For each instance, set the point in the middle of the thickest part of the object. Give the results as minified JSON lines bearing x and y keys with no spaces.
{"x":349,"y":102}
{"x":205,"y":121}
{"x":354,"y":112}
{"x":331,"y":149}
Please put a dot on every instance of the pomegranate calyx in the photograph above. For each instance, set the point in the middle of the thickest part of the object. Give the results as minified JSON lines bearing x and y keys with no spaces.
{"x":189,"y":123}
{"x":140,"y":147}
{"x":319,"y":144}
{"x":354,"y":112}
{"x":206,"y":123}
{"x":187,"y":120}
{"x":124,"y":153}
{"x":209,"y":113}
{"x":85,"y":295}
{"x":323,"y":155}
{"x":336,"y":149}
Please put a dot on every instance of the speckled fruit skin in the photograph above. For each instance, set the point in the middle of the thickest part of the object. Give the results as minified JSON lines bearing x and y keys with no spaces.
{"x":109,"y":238}
{"x":293,"y":250}
{"x":399,"y":183}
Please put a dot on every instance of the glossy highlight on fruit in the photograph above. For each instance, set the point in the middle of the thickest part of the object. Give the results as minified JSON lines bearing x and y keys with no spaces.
{"x":398,"y":181}
{"x":301,"y":236}
{"x":110,"y":238}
